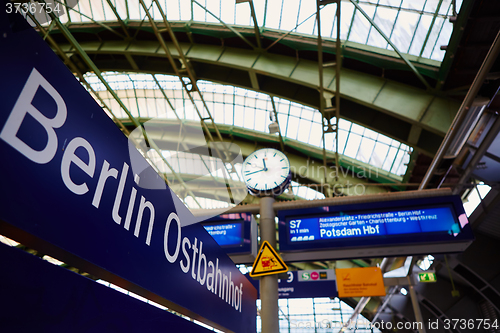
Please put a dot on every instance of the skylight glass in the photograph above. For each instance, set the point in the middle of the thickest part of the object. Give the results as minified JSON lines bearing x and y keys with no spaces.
{"x":474,"y":197}
{"x":251,"y":110}
{"x":416,"y":27}
{"x":306,"y":192}
{"x":425,"y":263}
{"x":320,"y":314}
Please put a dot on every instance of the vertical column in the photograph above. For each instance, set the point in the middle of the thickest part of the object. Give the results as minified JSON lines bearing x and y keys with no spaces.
{"x":416,"y":309}
{"x":414,"y":299}
{"x":269,"y":283}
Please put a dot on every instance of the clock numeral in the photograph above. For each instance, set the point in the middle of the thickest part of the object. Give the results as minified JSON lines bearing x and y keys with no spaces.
{"x":282,"y":160}
{"x":274,"y":154}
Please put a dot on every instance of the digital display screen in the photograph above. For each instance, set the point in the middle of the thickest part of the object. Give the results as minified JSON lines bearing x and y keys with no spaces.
{"x":401,"y":225}
{"x":226,"y":234}
{"x":378,"y":223}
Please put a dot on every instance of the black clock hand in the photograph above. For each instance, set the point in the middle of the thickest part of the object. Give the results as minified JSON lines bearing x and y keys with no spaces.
{"x":254,"y":172}
{"x":264,"y":161}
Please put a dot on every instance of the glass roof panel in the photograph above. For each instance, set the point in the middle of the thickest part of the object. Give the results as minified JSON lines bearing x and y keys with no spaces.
{"x":429,"y":6}
{"x":227,"y":14}
{"x":413,"y":18}
{"x":384,"y":18}
{"x":360,"y":26}
{"x":391,"y":3}
{"x":201,"y":15}
{"x":252,"y":110}
{"x":433,"y":35}
{"x":273,"y":21}
{"x":328,"y":21}
{"x":404,"y":28}
{"x":305,"y":191}
{"x":445,"y":7}
{"x":243,"y":16}
{"x":420,"y":34}
{"x":378,"y":155}
{"x":185,"y":10}
{"x":391,"y":156}
{"x":442,"y":39}
{"x":474,"y":197}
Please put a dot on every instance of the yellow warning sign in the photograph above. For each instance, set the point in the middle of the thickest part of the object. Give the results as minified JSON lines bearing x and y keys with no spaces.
{"x":267,"y":262}
{"x":362,"y":281}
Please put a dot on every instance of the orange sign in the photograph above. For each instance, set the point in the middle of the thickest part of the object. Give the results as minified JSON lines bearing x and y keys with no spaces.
{"x":358,"y":282}
{"x":268,"y":262}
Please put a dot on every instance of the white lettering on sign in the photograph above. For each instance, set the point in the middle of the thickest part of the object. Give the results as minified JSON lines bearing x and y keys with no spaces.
{"x":22,"y":107}
{"x":203,"y":270}
{"x":70,"y":157}
{"x":215,"y":230}
{"x":216,"y":281}
{"x":366,"y":230}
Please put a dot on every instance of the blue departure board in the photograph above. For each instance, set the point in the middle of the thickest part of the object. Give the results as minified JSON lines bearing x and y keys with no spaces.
{"x":398,"y":223}
{"x":233,"y":232}
{"x":226,"y":234}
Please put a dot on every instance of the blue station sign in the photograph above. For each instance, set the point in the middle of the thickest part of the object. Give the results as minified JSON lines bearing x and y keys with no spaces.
{"x":35,"y":292}
{"x":306,"y":284}
{"x":68,"y":190}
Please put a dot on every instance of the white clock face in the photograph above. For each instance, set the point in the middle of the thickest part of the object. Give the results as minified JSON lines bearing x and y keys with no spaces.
{"x":265,"y":169}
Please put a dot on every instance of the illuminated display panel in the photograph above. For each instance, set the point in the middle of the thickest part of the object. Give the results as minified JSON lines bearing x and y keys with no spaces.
{"x":231,"y":231}
{"x":379,"y":224}
{"x":372,"y":224}
{"x":226,"y":234}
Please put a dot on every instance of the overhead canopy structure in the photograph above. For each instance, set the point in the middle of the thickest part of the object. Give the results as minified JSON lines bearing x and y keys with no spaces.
{"x":390,"y":89}
{"x":374,"y":105}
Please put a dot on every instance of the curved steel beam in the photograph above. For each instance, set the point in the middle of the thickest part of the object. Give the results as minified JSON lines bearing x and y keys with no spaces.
{"x":389,"y":106}
{"x":354,"y":177}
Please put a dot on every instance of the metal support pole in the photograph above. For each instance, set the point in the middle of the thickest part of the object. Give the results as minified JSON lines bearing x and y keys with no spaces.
{"x":324,"y":118}
{"x":392,"y":291}
{"x":282,"y":145}
{"x":255,"y":24}
{"x":478,"y":155}
{"x":269,"y":313}
{"x":414,"y":298}
{"x":488,"y":62}
{"x":338,"y":59}
{"x":416,"y":306}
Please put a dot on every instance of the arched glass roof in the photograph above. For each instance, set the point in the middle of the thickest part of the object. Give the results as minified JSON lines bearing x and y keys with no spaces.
{"x":251,"y":110}
{"x":416,"y":27}
{"x":163,"y":97}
